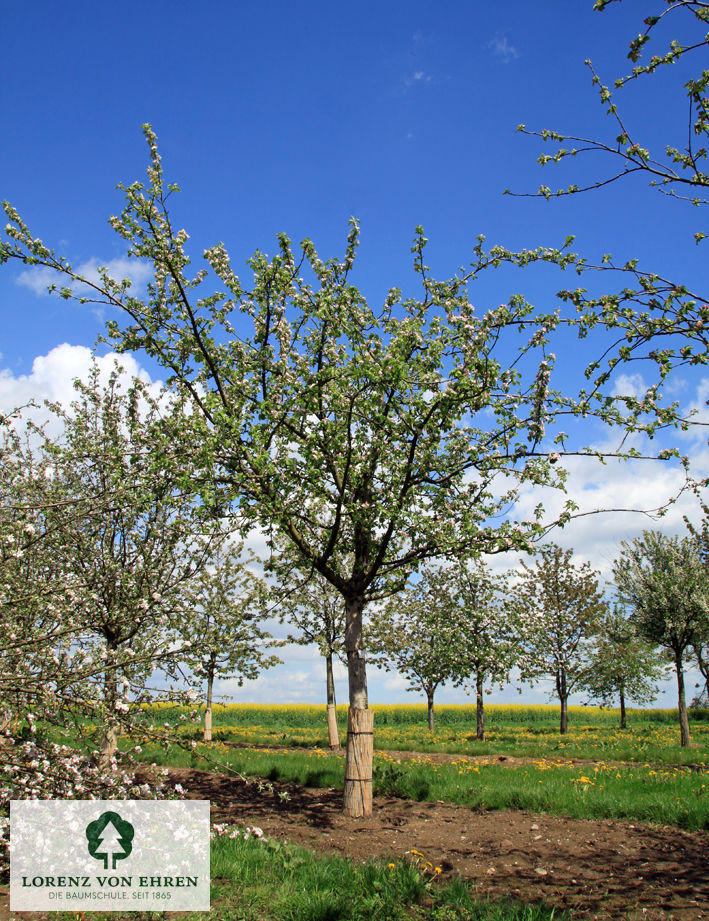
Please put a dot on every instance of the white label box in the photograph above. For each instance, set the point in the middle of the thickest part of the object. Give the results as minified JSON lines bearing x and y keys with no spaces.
{"x":109,"y":855}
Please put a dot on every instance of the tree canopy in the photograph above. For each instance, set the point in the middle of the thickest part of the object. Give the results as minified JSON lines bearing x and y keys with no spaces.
{"x":664,"y":581}
{"x":370,"y":438}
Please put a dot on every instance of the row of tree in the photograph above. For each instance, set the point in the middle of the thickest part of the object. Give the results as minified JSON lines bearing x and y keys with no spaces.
{"x":461,"y":624}
{"x":109,"y":573}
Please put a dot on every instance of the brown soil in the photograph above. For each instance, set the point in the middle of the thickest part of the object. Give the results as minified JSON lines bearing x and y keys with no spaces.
{"x":607,"y":870}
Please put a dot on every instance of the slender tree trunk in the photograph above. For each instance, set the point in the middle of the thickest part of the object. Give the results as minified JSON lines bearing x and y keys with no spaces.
{"x":682,"y":703}
{"x":333,"y":735}
{"x":564,"y":716}
{"x":208,"y":709}
{"x":358,"y":755}
{"x":623,"y":721}
{"x":431,"y":715}
{"x":479,"y":708}
{"x":109,"y":737}
{"x":563,"y":699}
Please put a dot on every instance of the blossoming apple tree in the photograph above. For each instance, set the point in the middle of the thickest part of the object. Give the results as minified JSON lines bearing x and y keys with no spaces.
{"x":371,"y":438}
{"x":560,"y":608}
{"x":223,"y":635}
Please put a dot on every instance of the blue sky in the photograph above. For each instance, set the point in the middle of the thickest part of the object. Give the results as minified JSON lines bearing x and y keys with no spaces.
{"x":292,"y":117}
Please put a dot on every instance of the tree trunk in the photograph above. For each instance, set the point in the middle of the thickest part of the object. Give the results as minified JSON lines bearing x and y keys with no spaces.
{"x":333,"y":736}
{"x":208,"y":711}
{"x":431,"y":716}
{"x":359,"y":752}
{"x":563,"y":699}
{"x":109,"y":738}
{"x":479,"y":708}
{"x":623,"y":721}
{"x":682,"y":704}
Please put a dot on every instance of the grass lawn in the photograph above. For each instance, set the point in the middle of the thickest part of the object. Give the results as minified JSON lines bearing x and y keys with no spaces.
{"x":266,"y":880}
{"x":638,"y":773}
{"x":521,"y":731}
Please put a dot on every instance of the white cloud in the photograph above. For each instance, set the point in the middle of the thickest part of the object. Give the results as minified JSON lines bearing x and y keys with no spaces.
{"x":699,"y":410}
{"x":418,"y":78}
{"x":502,"y":49}
{"x":395,"y":683}
{"x":39,"y":278}
{"x":630,"y":385}
{"x":52,"y":376}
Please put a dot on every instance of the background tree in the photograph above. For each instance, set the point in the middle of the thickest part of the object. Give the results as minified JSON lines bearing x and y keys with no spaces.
{"x":664,"y":581}
{"x":700,"y":643}
{"x":43,"y":673}
{"x":311,"y":604}
{"x":420,"y":634}
{"x":560,"y":608}
{"x":130,"y":547}
{"x":489,"y":641}
{"x":223,"y":636}
{"x":623,"y":666}
{"x":372,"y":439}
{"x":29,"y":589}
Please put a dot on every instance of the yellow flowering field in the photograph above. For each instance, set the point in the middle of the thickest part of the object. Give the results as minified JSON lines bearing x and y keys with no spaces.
{"x":512,"y":730}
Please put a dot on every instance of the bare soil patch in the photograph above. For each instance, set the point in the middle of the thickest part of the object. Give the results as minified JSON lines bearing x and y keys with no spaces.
{"x":602,"y":870}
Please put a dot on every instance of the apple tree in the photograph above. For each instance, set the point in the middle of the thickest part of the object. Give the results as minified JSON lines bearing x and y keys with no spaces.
{"x":371,"y":438}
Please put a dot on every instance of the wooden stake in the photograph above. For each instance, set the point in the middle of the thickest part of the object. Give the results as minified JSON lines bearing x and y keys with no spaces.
{"x":358,"y":763}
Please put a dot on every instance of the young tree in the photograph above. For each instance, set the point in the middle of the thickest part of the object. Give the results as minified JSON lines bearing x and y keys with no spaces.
{"x":370,"y":439}
{"x":222,"y":635}
{"x":492,"y":644}
{"x":316,"y":609}
{"x":128,"y":549}
{"x":420,"y":633}
{"x":560,"y":607}
{"x":623,"y":665}
{"x":664,"y":581}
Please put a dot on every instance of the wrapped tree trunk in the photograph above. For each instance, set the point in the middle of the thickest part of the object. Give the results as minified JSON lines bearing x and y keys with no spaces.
{"x":360,"y":720}
{"x":358,"y":762}
{"x":431,"y":717}
{"x":479,"y":708}
{"x":333,"y":734}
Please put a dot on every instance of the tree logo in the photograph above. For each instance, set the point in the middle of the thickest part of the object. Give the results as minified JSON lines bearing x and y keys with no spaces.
{"x":110,"y":839}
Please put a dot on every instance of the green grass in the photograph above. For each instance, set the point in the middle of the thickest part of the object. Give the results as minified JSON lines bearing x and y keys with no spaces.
{"x":259,"y":880}
{"x":661,"y":795}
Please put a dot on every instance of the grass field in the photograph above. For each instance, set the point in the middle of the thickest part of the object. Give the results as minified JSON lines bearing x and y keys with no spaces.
{"x":254,"y":879}
{"x":638,"y":773}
